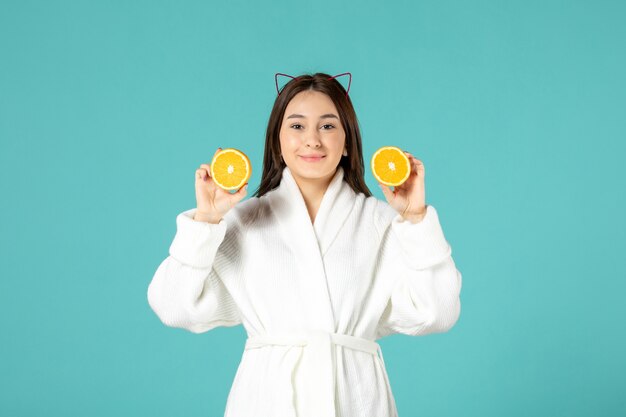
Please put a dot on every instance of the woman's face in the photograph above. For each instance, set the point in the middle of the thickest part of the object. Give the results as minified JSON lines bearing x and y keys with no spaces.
{"x":312,"y":138}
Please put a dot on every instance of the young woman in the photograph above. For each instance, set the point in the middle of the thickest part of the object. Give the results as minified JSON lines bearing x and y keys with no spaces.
{"x":314,"y":267}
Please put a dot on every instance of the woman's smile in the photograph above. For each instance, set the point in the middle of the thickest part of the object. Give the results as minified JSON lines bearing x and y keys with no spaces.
{"x":311,"y":158}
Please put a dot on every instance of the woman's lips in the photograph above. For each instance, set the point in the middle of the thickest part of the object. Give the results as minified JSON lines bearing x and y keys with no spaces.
{"x":311,"y":158}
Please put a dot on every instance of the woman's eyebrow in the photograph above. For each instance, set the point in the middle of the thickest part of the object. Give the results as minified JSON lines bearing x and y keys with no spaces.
{"x":323,"y":116}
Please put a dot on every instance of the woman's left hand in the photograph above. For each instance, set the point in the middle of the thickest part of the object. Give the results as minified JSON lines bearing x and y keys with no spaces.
{"x":409,"y":199}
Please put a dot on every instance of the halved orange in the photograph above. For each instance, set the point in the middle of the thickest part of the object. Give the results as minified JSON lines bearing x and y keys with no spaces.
{"x":230,"y":169}
{"x":391,"y":166}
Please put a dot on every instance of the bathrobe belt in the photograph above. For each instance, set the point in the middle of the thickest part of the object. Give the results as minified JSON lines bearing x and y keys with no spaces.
{"x":317,"y":366}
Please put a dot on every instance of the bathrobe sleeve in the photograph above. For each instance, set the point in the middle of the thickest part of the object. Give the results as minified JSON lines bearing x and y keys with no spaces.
{"x":425,"y":295}
{"x":186,"y":291}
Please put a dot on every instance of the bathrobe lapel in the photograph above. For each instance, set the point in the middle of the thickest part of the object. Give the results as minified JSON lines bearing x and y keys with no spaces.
{"x":310,"y":242}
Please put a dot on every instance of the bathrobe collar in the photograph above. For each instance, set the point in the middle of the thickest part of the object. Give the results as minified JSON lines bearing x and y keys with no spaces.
{"x":310,"y":242}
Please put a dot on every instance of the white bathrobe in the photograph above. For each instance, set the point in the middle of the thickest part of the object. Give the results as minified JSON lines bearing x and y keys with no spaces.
{"x":313,"y":298}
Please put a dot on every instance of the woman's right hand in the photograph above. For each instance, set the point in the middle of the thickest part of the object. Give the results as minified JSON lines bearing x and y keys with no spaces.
{"x":212,"y":201}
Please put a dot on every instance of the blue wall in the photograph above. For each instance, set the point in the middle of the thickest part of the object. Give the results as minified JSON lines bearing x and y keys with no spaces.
{"x":517,"y":110}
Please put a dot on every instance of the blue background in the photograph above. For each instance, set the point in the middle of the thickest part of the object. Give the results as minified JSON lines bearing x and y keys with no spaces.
{"x":517,"y":110}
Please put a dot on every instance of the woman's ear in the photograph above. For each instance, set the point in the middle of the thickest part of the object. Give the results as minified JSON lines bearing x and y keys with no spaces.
{"x":345,"y":152}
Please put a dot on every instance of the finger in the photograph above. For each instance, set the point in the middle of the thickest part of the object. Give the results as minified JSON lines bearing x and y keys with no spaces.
{"x":207,"y":174}
{"x":389,"y":195}
{"x":411,"y":156}
{"x":200,"y":173}
{"x":242,"y":192}
{"x":417,"y":165}
{"x":208,"y":166}
{"x":207,"y":169}
{"x":417,"y":162}
{"x":411,"y":161}
{"x":235,"y":196}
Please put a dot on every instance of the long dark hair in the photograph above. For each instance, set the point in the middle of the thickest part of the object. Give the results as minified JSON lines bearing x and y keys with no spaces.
{"x":352,"y":164}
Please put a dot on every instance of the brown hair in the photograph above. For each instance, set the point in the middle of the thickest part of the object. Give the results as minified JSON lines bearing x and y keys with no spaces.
{"x":352,"y":164}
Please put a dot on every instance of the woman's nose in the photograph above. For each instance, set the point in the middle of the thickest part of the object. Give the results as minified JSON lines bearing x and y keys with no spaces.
{"x":313,"y":140}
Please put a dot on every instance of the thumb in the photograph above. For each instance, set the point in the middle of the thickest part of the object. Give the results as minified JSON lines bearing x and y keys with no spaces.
{"x":387,"y":192}
{"x":241,"y":193}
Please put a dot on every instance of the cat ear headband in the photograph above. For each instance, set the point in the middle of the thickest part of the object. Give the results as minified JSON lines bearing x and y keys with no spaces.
{"x":295,"y":78}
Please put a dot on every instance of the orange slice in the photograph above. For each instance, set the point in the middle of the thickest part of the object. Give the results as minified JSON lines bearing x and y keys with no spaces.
{"x":391,"y":166}
{"x":230,"y":169}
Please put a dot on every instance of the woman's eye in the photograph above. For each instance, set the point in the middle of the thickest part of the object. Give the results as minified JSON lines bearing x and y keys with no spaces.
{"x":298,"y":125}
